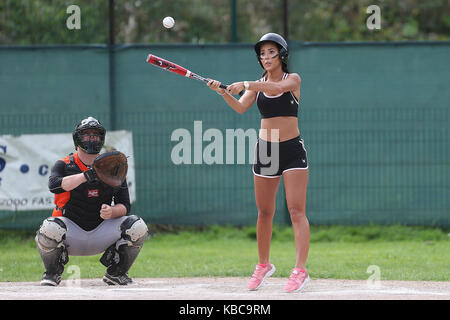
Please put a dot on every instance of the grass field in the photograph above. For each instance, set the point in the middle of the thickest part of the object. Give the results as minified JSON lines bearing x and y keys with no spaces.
{"x":337,"y":252}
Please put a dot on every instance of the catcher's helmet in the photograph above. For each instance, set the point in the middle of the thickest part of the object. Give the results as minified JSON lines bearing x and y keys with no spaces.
{"x":280,"y":42}
{"x":91,"y":147}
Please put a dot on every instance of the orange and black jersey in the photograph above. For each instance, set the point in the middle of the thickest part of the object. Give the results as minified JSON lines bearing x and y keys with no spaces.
{"x":82,"y":205}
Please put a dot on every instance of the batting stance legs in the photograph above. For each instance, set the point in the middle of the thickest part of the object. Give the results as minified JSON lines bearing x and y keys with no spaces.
{"x":120,"y":239}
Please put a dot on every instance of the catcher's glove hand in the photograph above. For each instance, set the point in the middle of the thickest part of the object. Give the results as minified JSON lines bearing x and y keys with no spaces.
{"x":111,"y":168}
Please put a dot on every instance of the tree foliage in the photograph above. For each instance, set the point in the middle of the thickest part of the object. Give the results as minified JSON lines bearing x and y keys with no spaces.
{"x":210,"y":21}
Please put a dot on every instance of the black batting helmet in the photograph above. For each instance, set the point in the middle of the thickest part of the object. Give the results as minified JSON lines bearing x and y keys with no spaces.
{"x":90,"y":147}
{"x":280,"y":42}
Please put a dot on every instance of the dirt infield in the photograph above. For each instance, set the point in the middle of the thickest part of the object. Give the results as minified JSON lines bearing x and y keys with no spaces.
{"x":225,"y":289}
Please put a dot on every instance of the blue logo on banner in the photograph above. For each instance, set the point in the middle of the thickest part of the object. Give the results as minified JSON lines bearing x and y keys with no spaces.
{"x":43,"y":170}
{"x":2,"y":161}
{"x":24,"y":168}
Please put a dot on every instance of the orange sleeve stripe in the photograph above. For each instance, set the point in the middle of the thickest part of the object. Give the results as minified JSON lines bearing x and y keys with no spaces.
{"x":79,"y":163}
{"x":61,"y":198}
{"x":66,"y":159}
{"x":56,"y":213}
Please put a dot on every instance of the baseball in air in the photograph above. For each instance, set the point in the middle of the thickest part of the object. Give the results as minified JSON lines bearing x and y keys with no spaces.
{"x":168,"y":22}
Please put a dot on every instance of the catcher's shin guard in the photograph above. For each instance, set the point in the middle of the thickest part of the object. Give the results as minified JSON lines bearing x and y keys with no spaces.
{"x":49,"y":240}
{"x":120,"y":256}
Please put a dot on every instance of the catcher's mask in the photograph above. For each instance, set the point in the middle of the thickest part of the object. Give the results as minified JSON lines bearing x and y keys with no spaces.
{"x":91,"y":146}
{"x":279,"y":41}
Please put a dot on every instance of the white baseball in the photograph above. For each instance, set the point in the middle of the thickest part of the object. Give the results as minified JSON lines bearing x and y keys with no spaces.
{"x":168,"y":22}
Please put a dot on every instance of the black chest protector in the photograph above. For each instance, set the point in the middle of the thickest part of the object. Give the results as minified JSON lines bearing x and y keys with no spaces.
{"x":284,"y":105}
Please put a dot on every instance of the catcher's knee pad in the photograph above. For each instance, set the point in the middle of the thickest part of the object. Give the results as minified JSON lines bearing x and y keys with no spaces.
{"x":51,"y":234}
{"x":134,"y":230}
{"x":49,"y":240}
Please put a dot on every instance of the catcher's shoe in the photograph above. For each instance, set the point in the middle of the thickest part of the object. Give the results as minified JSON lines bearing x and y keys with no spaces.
{"x":50,"y":279}
{"x":120,"y":279}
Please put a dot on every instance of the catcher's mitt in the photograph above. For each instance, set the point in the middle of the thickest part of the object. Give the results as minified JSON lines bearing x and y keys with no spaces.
{"x":111,"y":167}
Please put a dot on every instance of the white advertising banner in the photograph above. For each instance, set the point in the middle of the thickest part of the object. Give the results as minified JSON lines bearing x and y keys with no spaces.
{"x":26,"y":162}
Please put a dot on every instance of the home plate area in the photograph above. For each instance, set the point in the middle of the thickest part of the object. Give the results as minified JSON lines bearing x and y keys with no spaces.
{"x":225,"y":288}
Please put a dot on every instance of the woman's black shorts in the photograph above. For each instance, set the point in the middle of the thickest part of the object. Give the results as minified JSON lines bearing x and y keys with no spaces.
{"x":272,"y":159}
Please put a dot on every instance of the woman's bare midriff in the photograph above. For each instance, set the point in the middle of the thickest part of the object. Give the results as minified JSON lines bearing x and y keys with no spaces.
{"x":278,"y":129}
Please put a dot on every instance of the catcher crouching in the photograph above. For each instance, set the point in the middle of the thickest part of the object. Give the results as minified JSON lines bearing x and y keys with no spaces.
{"x":92,"y":209}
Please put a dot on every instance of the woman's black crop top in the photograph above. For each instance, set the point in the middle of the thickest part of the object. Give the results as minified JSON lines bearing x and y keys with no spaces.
{"x":283,"y":105}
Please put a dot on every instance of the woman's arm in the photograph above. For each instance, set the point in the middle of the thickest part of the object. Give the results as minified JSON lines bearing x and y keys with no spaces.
{"x":241,"y":105}
{"x":291,"y":83}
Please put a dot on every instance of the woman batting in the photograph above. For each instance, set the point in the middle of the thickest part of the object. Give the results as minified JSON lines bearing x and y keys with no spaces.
{"x":279,"y":153}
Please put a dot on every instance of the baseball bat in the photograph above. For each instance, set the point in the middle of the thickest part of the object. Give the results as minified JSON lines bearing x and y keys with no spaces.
{"x":175,"y":68}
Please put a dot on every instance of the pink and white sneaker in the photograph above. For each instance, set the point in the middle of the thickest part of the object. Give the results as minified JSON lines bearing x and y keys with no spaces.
{"x":297,"y":281}
{"x":259,"y":275}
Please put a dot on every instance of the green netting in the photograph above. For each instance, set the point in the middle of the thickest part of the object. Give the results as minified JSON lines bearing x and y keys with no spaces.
{"x":374,"y":116}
